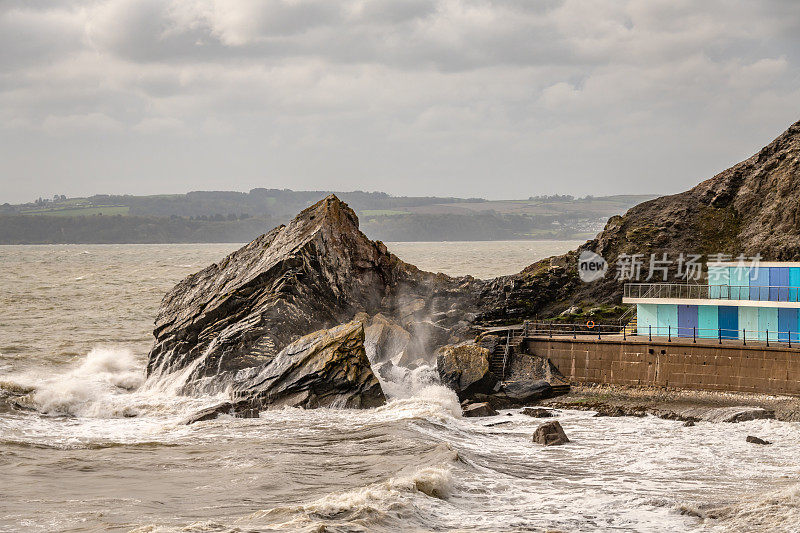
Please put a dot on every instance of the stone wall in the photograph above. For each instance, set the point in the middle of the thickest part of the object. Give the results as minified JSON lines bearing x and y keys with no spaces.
{"x":680,"y":364}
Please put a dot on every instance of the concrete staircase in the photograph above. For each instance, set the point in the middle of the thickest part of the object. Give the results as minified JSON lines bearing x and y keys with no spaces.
{"x":497,"y":355}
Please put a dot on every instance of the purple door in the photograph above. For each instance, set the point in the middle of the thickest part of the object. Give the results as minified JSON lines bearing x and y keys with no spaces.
{"x":687,"y":320}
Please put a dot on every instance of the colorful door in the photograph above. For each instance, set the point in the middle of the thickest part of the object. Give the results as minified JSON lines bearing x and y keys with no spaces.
{"x":728,"y":322}
{"x":767,"y":323}
{"x":778,"y":284}
{"x":707,"y":321}
{"x":787,"y":324}
{"x":646,"y":319}
{"x":740,"y":283}
{"x":748,"y":321}
{"x":687,"y":320}
{"x":667,"y":320}
{"x":759,"y":283}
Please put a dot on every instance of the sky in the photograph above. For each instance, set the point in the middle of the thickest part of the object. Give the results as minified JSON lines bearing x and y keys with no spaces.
{"x":488,"y":98}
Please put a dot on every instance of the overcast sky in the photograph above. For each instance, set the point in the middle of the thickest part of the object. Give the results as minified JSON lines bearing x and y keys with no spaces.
{"x":499,"y":99}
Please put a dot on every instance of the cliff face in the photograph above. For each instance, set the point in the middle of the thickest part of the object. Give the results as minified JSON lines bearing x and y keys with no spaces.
{"x":750,"y":208}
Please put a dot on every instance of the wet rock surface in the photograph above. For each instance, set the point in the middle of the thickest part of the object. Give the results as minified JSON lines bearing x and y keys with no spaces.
{"x":550,"y":434}
{"x":328,"y":368}
{"x":538,"y":412}
{"x":478,"y":409}
{"x":755,"y":440}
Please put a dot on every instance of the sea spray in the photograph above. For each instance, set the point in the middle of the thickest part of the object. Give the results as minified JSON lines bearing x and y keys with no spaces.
{"x":88,"y":388}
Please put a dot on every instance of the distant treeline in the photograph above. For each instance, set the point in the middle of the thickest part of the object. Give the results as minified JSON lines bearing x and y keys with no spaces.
{"x":16,"y":229}
{"x":481,"y":226}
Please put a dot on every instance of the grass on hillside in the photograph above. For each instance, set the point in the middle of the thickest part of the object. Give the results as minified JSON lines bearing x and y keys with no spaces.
{"x":59,"y":211}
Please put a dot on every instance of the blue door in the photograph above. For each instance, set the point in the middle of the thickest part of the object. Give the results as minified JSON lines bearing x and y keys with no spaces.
{"x":687,"y":320}
{"x":787,"y":324}
{"x":778,"y":284}
{"x":759,"y":281}
{"x":728,"y":322}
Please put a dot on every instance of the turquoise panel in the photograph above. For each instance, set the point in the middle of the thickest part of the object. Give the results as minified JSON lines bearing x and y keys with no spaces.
{"x":668,"y":319}
{"x":748,"y":320}
{"x":739,"y":279}
{"x":708,"y":321}
{"x":718,"y":276}
{"x":768,"y":320}
{"x":646,"y":316}
{"x":794,"y":284}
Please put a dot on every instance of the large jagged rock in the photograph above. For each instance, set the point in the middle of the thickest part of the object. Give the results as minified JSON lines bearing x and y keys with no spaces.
{"x":328,"y":368}
{"x":314,"y":273}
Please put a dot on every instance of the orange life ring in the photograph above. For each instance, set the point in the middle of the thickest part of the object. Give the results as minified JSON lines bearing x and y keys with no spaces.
{"x":590,"y":324}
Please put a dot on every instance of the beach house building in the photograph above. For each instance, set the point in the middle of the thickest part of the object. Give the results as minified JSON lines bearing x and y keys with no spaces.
{"x":738,"y":301}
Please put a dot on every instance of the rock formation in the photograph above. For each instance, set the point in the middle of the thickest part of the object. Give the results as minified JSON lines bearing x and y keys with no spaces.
{"x":315,"y":273}
{"x":328,"y":368}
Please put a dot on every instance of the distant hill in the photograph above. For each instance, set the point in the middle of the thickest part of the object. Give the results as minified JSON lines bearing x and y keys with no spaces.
{"x":229,"y":216}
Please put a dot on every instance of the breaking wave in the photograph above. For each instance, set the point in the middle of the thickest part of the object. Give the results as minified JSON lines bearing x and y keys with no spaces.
{"x":775,"y":511}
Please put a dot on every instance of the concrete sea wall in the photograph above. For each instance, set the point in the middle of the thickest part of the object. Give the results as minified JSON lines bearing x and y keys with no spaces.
{"x":680,"y":364}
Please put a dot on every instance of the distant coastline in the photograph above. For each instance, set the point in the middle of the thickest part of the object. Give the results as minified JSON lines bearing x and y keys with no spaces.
{"x":221,"y":217}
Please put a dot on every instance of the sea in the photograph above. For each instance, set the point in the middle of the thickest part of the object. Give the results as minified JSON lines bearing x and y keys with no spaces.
{"x":100,"y":448}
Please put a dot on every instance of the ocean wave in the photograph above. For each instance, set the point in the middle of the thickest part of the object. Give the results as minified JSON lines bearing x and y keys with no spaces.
{"x":87,"y":389}
{"x":774,"y":511}
{"x":398,"y":501}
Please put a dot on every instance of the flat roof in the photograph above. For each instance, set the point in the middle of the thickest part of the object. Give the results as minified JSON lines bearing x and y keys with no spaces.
{"x":760,"y":264}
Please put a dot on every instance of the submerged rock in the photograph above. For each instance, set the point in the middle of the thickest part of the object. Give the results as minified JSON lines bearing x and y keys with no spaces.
{"x":479,"y":409}
{"x":538,"y":412}
{"x":550,"y":434}
{"x":239,"y":410}
{"x":755,"y":440}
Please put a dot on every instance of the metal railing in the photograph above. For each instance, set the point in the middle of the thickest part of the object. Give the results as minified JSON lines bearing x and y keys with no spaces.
{"x":546,"y":329}
{"x":685,"y":291}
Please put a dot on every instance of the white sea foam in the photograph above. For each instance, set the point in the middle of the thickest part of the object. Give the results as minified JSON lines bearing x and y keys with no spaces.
{"x":775,"y":511}
{"x":89,"y":388}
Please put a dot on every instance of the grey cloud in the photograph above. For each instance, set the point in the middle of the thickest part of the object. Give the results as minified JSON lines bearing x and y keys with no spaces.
{"x":466,"y":97}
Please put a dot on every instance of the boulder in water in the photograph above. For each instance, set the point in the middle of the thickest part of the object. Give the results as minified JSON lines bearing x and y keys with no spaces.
{"x":755,"y":440}
{"x":550,"y":434}
{"x":465,"y":369}
{"x":538,"y":412}
{"x":521,"y":392}
{"x":479,"y":409}
{"x":328,"y":368}
{"x":238,"y":409}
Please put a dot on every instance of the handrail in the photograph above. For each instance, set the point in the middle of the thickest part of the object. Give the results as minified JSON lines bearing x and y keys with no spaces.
{"x":505,"y":353}
{"x":547,"y":329}
{"x":684,"y":291}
